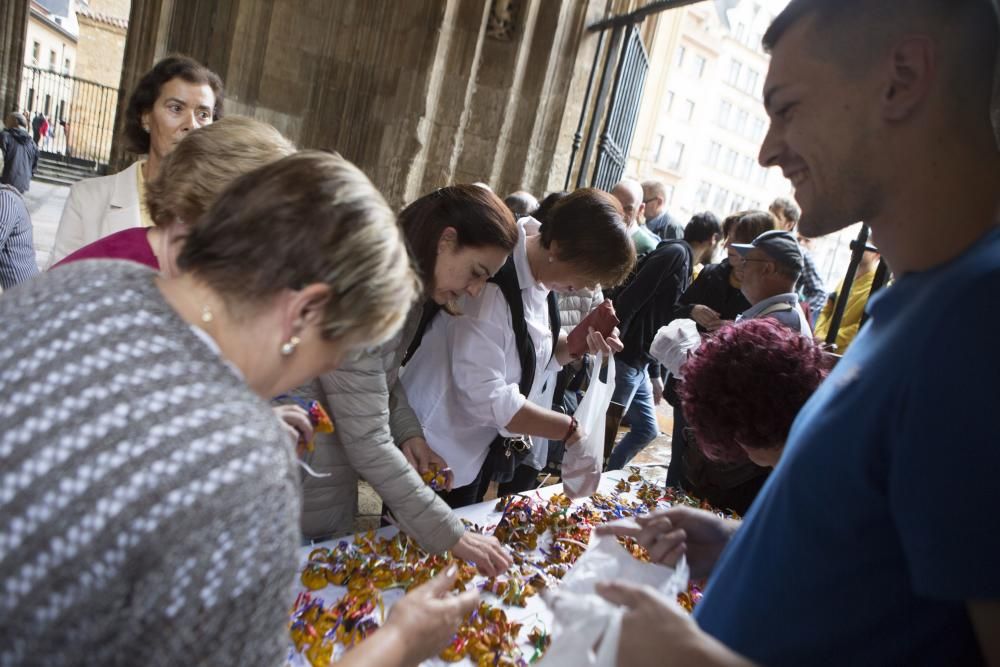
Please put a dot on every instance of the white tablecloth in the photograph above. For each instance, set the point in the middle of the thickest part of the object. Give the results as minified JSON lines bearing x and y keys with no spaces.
{"x":535,"y":612}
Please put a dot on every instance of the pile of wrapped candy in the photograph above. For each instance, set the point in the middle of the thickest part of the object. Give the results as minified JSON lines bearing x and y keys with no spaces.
{"x":546,"y":537}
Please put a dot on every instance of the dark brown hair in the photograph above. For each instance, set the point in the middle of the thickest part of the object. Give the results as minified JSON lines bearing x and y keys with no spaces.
{"x":752,"y":224}
{"x":147,"y":91}
{"x":479,"y":218}
{"x":311,"y":217}
{"x":589,"y":227}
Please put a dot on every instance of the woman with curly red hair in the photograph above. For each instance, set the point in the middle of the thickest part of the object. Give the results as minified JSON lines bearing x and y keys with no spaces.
{"x":741,"y":392}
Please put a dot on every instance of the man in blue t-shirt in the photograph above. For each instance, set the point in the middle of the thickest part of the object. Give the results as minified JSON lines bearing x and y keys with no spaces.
{"x":873,"y":542}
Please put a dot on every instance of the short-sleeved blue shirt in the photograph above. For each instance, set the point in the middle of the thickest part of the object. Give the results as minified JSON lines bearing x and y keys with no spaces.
{"x":880,"y":519}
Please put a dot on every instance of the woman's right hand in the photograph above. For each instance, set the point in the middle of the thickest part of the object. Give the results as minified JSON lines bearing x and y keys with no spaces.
{"x":426,"y":619}
{"x":485,"y":551}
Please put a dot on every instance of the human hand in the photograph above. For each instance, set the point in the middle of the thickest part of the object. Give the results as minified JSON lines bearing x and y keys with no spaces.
{"x":296,"y":424}
{"x":605,"y":347}
{"x":423,"y":458}
{"x":654,"y":631}
{"x":485,"y":551}
{"x":669,"y":534}
{"x":657,"y":383}
{"x":706,"y":317}
{"x":427,"y":618}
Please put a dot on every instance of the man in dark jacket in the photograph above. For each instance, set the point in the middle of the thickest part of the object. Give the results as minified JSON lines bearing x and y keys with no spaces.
{"x":20,"y":155}
{"x":643,"y":306}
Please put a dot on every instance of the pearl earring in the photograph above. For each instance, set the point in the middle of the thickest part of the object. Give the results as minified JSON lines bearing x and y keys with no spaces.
{"x":288,"y":347}
{"x":206,"y":314}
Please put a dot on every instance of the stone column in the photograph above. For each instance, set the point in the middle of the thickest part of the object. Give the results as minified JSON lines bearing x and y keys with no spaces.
{"x":13,"y":32}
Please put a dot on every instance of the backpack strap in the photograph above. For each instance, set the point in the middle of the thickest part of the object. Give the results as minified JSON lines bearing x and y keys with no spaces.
{"x":774,"y":308}
{"x":426,"y":317}
{"x":506,"y":280}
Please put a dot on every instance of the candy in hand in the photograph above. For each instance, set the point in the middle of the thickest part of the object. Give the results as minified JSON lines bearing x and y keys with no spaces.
{"x":436,"y":479}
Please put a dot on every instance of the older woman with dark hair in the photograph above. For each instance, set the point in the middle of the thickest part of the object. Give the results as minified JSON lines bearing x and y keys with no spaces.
{"x":459,"y":236}
{"x":178,"y":95}
{"x":468,"y":381}
{"x":149,"y":510}
{"x":742,"y":389}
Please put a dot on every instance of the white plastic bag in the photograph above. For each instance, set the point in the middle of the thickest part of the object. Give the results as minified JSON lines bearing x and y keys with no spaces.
{"x":587,"y":626}
{"x":582,"y":463}
{"x":673,"y":343}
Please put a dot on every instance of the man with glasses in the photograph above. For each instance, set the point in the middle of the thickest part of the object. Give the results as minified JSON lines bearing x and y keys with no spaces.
{"x":629,"y":194}
{"x":772,"y":263}
{"x":658,"y":218}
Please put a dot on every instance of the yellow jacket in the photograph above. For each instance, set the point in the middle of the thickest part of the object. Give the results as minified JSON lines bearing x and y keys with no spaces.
{"x":851,"y":321}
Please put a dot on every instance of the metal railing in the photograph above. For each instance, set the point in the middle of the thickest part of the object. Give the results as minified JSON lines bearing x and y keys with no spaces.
{"x":80,"y":115}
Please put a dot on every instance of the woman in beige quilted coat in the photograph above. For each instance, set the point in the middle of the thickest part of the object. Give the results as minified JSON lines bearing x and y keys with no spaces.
{"x":459,"y":236}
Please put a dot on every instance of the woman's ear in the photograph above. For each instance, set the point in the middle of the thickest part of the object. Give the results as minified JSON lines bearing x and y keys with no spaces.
{"x":306,"y":307}
{"x":448,"y":240}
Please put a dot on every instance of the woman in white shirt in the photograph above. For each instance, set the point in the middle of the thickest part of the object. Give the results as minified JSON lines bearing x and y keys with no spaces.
{"x":463,"y":380}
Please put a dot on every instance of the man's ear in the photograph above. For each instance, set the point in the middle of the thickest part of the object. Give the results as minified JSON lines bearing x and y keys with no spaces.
{"x":912,"y":66}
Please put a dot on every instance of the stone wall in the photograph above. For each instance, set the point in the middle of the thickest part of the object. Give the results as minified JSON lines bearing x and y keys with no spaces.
{"x":419,"y":94}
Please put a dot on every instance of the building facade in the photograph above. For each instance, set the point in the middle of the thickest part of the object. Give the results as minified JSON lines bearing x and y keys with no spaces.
{"x":703,"y":120}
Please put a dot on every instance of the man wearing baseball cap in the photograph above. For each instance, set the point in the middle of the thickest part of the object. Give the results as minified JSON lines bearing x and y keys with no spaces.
{"x":772,"y":263}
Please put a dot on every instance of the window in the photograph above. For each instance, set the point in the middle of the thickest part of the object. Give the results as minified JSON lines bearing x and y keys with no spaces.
{"x":52,"y":60}
{"x":668,"y":195}
{"x":714,"y":149}
{"x":761,"y":176}
{"x":699,"y":66}
{"x":741,"y":122}
{"x":725,"y":109}
{"x":738,"y":204}
{"x":47,"y":109}
{"x":657,"y":147}
{"x":729,"y":161}
{"x":720,"y":199}
{"x":687,"y":110}
{"x":746,"y":167}
{"x":61,"y":115}
{"x":36,"y":53}
{"x":757,"y":133}
{"x":670,"y":101}
{"x":750,"y":79}
{"x":681,"y":52}
{"x":703,"y":193}
{"x":741,"y":31}
{"x":733,"y":77}
{"x":66,"y":66}
{"x":675,"y":155}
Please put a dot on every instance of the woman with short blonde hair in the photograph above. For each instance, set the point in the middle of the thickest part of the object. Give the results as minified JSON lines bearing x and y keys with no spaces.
{"x":155,"y":497}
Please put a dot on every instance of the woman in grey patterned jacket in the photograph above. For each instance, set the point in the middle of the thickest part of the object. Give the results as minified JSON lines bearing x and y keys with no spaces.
{"x":148,"y":499}
{"x":459,"y":236}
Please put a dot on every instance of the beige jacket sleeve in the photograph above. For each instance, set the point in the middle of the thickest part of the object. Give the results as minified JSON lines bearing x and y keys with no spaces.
{"x":358,"y":397}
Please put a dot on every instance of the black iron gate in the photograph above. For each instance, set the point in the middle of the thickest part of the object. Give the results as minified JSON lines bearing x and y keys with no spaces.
{"x":615,"y":109}
{"x":69,"y":117}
